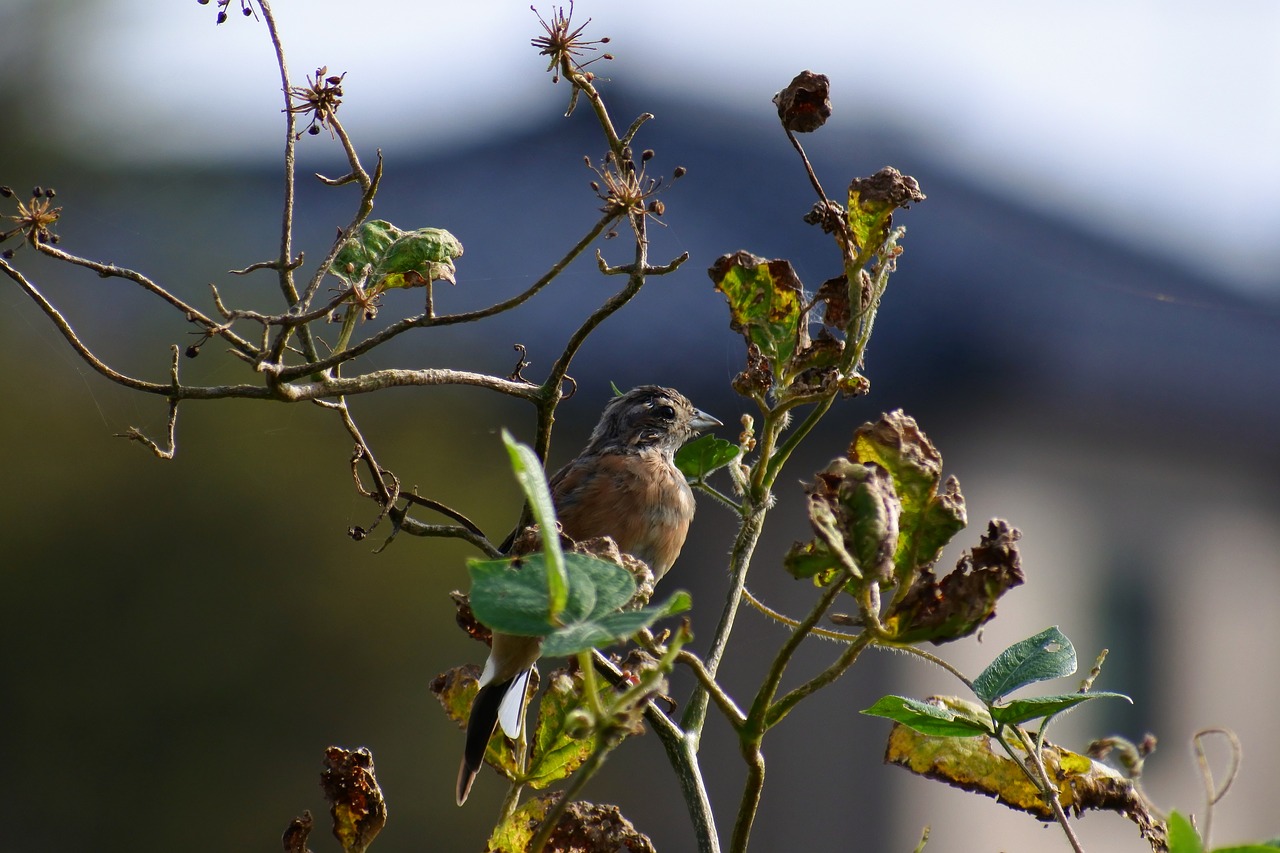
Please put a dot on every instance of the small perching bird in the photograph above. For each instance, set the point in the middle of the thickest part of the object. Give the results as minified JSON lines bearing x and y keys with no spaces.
{"x":624,"y":485}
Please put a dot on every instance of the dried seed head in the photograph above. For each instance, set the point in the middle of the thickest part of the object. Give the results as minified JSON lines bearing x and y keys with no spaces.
{"x":679,"y":172}
{"x":646,"y":155}
{"x":7,"y":192}
{"x":222,"y":17}
{"x":805,"y":105}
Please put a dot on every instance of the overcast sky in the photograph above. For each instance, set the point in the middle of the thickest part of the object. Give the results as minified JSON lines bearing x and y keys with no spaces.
{"x":1160,"y":119}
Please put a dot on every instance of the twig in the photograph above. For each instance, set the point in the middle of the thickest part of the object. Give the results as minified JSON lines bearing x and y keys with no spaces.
{"x":723,"y":700}
{"x":1211,"y":794}
{"x":135,"y":434}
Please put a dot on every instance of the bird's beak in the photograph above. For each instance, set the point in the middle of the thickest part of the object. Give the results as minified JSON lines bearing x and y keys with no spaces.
{"x":702,"y":421}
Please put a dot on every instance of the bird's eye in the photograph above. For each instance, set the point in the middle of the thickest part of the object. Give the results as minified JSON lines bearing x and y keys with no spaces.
{"x":665,"y":412}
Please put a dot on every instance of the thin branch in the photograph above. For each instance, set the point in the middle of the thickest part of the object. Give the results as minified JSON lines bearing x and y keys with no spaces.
{"x":69,"y":333}
{"x":808,"y":168}
{"x":790,"y":622}
{"x":779,"y":709}
{"x":1213,"y":794}
{"x":192,"y":314}
{"x":723,"y":700}
{"x":269,"y":265}
{"x":425,"y":320}
{"x":135,"y":434}
{"x":744,"y":544}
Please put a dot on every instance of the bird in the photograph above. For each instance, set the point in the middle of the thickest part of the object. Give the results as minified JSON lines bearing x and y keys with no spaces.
{"x":624,"y":485}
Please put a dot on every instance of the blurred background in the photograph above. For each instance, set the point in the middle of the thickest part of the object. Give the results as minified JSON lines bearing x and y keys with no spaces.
{"x":1086,"y":322}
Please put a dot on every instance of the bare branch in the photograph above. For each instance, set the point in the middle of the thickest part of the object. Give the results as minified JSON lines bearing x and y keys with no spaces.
{"x":112,"y":271}
{"x":135,"y":434}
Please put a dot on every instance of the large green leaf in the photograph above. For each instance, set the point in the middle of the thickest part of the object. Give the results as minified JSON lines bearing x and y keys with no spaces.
{"x":511,"y":596}
{"x":1047,"y":655}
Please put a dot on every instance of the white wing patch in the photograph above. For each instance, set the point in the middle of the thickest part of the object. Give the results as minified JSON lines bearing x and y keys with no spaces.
{"x":511,"y":711}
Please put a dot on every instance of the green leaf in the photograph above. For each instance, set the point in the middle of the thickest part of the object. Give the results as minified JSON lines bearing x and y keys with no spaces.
{"x":1183,"y":837}
{"x":513,"y":834}
{"x":553,"y":752}
{"x":926,"y":718}
{"x":533,"y":480}
{"x":617,"y":392}
{"x":608,"y":628}
{"x":387,"y":256}
{"x":510,"y":596}
{"x":1021,"y":710}
{"x":429,"y":252}
{"x":700,"y":457}
{"x":765,"y":305}
{"x":1047,"y":655}
{"x":364,"y":249}
{"x":929,"y":517}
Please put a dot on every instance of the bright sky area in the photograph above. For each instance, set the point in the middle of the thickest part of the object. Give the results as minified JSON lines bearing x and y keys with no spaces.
{"x":1159,"y":120}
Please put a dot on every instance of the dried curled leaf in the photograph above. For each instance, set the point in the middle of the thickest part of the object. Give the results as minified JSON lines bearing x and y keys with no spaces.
{"x":355,"y":800}
{"x":965,"y":599}
{"x":872,"y":202}
{"x":930,"y":518}
{"x":854,"y":512}
{"x":584,"y":828}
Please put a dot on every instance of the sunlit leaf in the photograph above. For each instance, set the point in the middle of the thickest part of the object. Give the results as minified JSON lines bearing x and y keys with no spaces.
{"x":930,"y":517}
{"x":928,"y":718}
{"x":554,"y":752}
{"x":765,"y":301}
{"x":980,"y":765}
{"x":1047,"y":655}
{"x":1021,"y":710}
{"x":872,"y":202}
